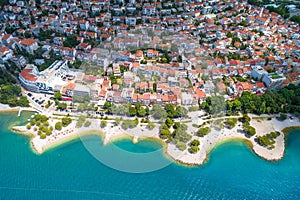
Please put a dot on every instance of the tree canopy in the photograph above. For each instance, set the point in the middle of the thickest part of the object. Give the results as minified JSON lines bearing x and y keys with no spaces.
{"x":11,"y":95}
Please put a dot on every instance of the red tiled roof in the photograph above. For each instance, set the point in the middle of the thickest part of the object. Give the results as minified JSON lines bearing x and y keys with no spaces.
{"x":260,"y":85}
{"x":5,"y":37}
{"x":200,"y":94}
{"x":28,"y":41}
{"x":245,"y":85}
{"x":146,"y":96}
{"x":27,"y":76}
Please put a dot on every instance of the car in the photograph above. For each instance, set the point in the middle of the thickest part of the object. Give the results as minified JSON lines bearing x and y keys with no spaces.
{"x":29,"y":94}
{"x":52,"y":98}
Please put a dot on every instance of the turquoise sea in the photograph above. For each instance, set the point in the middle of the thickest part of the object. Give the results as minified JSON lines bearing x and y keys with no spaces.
{"x":70,"y":172}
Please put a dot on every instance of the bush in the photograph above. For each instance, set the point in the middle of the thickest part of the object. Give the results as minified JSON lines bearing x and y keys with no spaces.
{"x":117,"y":121}
{"x":103,"y":123}
{"x":249,"y":130}
{"x":195,"y":125}
{"x":283,"y":116}
{"x":176,"y":125}
{"x":43,"y":136}
{"x":193,"y":149}
{"x":267,"y":140}
{"x":195,"y":143}
{"x":80,"y":121}
{"x":87,"y":123}
{"x":165,"y":134}
{"x":203,"y":131}
{"x":66,"y":121}
{"x":129,"y":124}
{"x":245,"y":119}
{"x":231,"y":122}
{"x":169,"y":122}
{"x":32,"y":122}
{"x":150,"y":125}
{"x":28,"y":126}
{"x":58,"y":126}
{"x":181,"y":146}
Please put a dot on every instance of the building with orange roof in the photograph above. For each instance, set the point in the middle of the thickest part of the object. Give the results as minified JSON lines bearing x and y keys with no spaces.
{"x":199,"y":94}
{"x":44,"y":81}
{"x":5,"y":54}
{"x":30,"y":45}
{"x":152,"y":53}
{"x":244,"y":86}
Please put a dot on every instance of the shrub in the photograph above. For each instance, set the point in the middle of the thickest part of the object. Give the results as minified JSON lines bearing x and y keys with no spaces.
{"x":203,"y":131}
{"x":117,"y":121}
{"x":231,"y":122}
{"x":87,"y":123}
{"x":195,"y":143}
{"x":58,"y":126}
{"x":66,"y":121}
{"x":193,"y":149}
{"x":28,"y":126}
{"x":165,"y":134}
{"x":245,"y":119}
{"x":249,"y":130}
{"x":283,"y":116}
{"x":43,"y":136}
{"x":181,"y":146}
{"x":150,"y":125}
{"x":103,"y":123}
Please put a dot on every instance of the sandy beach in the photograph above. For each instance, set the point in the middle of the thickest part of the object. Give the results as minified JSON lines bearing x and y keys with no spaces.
{"x":207,"y":143}
{"x":6,"y":108}
{"x":210,"y":141}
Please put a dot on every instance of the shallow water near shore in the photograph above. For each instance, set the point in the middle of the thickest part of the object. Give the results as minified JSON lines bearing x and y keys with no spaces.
{"x":69,"y":171}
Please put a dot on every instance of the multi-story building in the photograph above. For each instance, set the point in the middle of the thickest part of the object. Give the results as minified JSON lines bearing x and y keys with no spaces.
{"x":273,"y":80}
{"x":5,"y":54}
{"x":258,"y":72}
{"x":44,"y":81}
{"x":30,"y":45}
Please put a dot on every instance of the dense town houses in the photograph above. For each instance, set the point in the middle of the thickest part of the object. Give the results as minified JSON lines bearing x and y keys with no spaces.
{"x":149,"y":52}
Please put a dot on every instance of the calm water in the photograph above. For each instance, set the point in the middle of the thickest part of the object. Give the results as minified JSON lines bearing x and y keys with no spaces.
{"x":70,"y":172}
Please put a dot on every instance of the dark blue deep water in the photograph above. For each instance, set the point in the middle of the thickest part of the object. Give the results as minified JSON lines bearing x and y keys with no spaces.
{"x":70,"y":172}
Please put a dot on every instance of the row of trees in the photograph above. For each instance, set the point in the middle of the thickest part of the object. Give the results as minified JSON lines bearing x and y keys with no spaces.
{"x":284,"y":100}
{"x":158,"y":112}
{"x":126,"y":109}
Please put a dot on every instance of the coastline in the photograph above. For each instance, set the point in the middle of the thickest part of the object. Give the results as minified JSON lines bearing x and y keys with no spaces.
{"x":208,"y":143}
{"x":7,"y":108}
